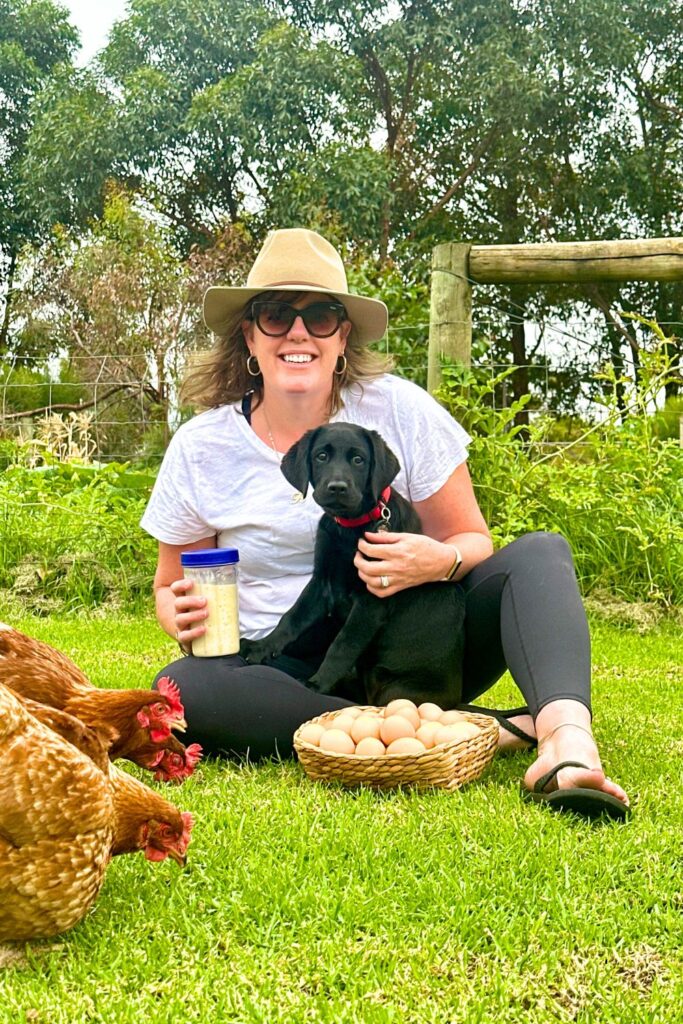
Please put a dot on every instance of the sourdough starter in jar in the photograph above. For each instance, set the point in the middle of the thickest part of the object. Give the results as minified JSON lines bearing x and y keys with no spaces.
{"x":214,"y":573}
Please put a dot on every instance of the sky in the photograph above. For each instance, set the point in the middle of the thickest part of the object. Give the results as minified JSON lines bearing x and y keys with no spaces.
{"x":93,"y":20}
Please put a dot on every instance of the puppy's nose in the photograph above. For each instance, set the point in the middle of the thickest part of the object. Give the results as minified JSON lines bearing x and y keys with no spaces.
{"x":337,"y":487}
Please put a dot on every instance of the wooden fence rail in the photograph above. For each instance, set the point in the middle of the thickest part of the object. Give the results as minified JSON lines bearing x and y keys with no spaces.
{"x":456,"y":266}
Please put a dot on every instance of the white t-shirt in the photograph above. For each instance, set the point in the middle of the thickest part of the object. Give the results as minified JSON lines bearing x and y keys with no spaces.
{"x":218,"y":478}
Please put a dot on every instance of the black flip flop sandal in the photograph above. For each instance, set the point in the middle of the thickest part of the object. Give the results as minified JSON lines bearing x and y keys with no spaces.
{"x":590,"y":803}
{"x":503,"y":718}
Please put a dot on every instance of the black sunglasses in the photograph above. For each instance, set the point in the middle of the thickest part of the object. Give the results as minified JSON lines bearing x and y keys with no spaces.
{"x":321,"y":319}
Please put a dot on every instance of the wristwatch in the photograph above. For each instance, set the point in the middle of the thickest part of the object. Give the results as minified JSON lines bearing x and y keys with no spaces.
{"x":456,"y":565}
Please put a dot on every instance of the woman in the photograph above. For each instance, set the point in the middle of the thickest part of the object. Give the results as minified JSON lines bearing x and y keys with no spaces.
{"x":291,"y":356}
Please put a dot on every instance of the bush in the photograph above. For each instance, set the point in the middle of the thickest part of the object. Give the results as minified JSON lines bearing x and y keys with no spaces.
{"x":615,"y":492}
{"x":70,"y":539}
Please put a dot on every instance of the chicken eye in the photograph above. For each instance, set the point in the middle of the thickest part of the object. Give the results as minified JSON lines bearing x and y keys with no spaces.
{"x":158,"y":708}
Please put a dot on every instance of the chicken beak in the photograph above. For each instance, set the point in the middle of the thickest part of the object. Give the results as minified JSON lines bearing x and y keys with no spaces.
{"x":179,"y":858}
{"x":180,"y":725}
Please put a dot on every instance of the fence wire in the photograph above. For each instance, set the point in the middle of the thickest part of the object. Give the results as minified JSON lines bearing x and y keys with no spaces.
{"x":117,"y":422}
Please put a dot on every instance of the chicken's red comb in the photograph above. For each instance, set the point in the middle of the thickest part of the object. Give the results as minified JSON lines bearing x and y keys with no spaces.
{"x":168,"y":689}
{"x":173,"y":766}
{"x":188,"y":825}
{"x":193,"y":754}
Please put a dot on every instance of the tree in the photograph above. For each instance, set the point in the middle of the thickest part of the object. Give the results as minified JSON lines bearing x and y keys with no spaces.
{"x":35,"y":38}
{"x":390,"y":126}
{"x":121,"y":306}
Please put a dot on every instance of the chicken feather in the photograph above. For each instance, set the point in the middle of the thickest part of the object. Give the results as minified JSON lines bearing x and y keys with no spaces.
{"x":62,"y":818}
{"x":141,"y":720}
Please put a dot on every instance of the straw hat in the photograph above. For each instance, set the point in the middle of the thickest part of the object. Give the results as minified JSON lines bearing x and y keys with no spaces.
{"x":296,"y":260}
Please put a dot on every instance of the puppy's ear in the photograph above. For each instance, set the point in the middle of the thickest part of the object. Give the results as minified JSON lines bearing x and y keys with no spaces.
{"x":296,"y":464}
{"x":385,"y":465}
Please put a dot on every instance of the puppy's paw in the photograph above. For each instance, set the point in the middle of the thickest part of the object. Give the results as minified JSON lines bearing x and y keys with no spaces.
{"x":254,"y":652}
{"x":318,"y":684}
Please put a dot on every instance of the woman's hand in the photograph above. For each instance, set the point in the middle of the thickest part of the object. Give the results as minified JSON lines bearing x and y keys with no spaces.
{"x":402,"y":559}
{"x":190,"y":612}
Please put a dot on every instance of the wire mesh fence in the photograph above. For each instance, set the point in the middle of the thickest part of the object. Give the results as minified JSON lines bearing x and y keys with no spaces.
{"x":115,"y":417}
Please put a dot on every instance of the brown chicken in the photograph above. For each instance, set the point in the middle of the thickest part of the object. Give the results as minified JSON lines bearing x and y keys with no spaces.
{"x":62,"y":819}
{"x":142,"y":720}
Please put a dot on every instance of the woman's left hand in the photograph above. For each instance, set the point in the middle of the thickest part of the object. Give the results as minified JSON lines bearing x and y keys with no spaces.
{"x":400,"y":560}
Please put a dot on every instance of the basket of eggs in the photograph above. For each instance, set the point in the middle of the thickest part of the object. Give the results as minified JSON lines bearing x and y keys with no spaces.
{"x":399,"y":745}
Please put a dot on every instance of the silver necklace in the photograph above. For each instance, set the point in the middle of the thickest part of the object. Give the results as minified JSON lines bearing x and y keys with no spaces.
{"x":270,"y":435}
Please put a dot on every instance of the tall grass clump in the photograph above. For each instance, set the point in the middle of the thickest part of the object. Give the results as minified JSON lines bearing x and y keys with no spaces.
{"x":615,"y":492}
{"x":69,"y":535}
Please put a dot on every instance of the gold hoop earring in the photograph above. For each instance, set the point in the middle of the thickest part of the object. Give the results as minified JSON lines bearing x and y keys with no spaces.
{"x":257,"y":371}
{"x":340,"y":372}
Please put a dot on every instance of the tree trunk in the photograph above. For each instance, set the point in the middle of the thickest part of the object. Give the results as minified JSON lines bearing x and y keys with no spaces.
{"x":617,"y":360}
{"x":4,"y":330}
{"x":667,"y":312}
{"x":520,"y":378}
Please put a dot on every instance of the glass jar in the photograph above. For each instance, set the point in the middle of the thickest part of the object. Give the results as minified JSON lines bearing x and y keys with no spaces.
{"x":214,"y":574}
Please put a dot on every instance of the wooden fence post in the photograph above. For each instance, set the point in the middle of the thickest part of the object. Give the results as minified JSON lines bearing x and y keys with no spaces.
{"x":450,"y":314}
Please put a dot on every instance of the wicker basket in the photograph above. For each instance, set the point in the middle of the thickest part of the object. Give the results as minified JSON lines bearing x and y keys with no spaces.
{"x":448,"y":766}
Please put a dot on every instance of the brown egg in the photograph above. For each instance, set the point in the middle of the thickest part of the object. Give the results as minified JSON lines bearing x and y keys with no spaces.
{"x":370,"y":746}
{"x":311,"y":734}
{"x":366,"y":725}
{"x":406,"y":745}
{"x":426,"y":733}
{"x":344,"y":722}
{"x":394,"y":728}
{"x":354,"y":711}
{"x":456,"y":733}
{"x":430,"y":712}
{"x":451,"y":717}
{"x":406,"y":709}
{"x":334,"y":741}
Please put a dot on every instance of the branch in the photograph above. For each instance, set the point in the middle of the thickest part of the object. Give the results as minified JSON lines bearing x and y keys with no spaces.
{"x":378,"y":73}
{"x":479,"y":153}
{"x":62,"y":406}
{"x":603,"y":305}
{"x":658,"y":104}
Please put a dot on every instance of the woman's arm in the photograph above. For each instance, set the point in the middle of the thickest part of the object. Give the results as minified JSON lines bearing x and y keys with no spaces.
{"x":176,"y":607}
{"x":450,"y":518}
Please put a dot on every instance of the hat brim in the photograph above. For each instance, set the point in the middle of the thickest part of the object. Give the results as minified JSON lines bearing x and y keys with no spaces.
{"x":368,"y":316}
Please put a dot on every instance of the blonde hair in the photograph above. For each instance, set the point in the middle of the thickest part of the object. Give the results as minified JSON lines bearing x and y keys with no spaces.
{"x":219,"y":376}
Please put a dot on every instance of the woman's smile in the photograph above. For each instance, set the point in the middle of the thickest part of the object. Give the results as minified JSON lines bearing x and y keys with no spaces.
{"x":298,"y":358}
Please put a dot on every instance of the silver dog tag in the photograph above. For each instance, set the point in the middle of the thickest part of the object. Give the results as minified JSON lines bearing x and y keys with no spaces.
{"x":384,"y":525}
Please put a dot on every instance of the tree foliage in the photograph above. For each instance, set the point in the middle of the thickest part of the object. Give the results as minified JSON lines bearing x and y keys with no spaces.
{"x":390,"y":126}
{"x":35,"y":39}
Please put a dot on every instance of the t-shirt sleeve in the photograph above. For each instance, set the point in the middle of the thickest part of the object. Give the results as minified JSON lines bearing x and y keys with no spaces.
{"x":434,"y":443}
{"x":172,"y":511}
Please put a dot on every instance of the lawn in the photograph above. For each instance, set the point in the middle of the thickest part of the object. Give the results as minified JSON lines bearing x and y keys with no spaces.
{"x":303,"y":903}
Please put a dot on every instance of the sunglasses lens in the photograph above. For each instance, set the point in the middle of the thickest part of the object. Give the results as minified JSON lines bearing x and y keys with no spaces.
{"x":274,"y":318}
{"x":321,"y":319}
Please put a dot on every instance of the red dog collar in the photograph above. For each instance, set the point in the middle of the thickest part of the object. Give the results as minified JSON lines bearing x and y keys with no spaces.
{"x":369,"y":517}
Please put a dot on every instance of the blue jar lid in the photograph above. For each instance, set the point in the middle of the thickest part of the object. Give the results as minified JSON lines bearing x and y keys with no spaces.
{"x":207,"y":557}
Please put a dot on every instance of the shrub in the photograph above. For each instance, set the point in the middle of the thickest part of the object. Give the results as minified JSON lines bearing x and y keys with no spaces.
{"x":70,"y":539}
{"x":615,"y":492}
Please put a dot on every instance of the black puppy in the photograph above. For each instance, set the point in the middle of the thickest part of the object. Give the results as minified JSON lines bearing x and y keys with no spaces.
{"x":406,"y":645}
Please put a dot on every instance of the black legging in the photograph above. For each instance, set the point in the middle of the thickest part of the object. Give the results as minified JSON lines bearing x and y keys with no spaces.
{"x":523,"y":613}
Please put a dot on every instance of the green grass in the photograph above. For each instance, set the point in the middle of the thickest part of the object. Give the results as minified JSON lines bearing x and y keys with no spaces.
{"x":303,"y":903}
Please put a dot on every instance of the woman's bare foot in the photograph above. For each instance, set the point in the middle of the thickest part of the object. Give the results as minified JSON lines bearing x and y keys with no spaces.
{"x":508,"y":740}
{"x":564,"y":732}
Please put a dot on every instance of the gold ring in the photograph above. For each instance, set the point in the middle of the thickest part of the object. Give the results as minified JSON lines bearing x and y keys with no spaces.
{"x":384,"y":580}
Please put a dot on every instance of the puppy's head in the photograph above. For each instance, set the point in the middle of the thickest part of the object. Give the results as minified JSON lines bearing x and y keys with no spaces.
{"x":347,"y":465}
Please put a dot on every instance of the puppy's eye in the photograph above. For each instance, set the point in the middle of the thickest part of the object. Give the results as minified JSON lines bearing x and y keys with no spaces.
{"x":357,"y":460}
{"x":321,"y":457}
